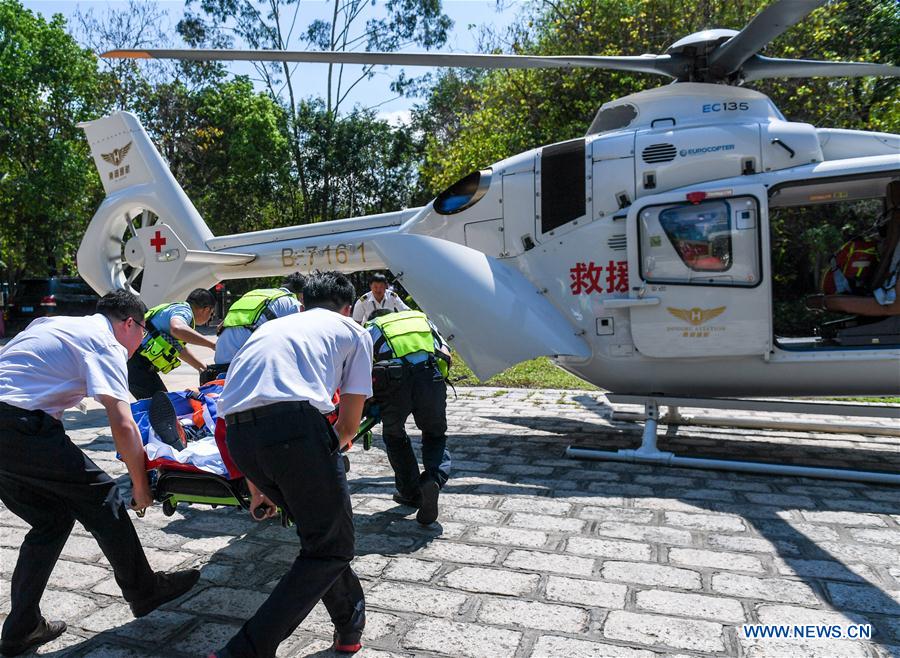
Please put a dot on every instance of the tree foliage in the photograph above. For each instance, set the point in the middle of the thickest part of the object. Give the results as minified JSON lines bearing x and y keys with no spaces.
{"x":233,"y":157}
{"x":319,"y":132}
{"x":370,"y":167}
{"x":48,"y":191}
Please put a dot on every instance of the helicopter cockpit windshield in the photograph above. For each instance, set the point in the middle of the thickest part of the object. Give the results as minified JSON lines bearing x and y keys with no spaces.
{"x":464,"y":193}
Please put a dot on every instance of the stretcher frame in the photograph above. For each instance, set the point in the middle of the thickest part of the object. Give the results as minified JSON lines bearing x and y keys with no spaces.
{"x":237,"y":493}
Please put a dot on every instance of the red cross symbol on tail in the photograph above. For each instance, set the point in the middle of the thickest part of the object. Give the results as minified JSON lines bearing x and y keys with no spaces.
{"x":158,"y":241}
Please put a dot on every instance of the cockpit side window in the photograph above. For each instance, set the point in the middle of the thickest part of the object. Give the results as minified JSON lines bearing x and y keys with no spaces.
{"x":464,"y":193}
{"x":701,"y":236}
{"x":714,"y":242}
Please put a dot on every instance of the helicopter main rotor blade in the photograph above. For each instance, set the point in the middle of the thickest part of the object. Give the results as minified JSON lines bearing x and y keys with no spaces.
{"x":659,"y":64}
{"x":765,"y":26}
{"x":760,"y":67}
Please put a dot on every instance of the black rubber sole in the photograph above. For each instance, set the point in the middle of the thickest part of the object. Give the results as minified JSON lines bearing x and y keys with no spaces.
{"x":50,"y":634}
{"x":428,"y":509}
{"x":185,"y":582}
{"x":409,"y":502}
{"x":164,"y":420}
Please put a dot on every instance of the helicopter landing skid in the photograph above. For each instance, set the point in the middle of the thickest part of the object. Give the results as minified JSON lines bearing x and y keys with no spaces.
{"x":649,"y":453}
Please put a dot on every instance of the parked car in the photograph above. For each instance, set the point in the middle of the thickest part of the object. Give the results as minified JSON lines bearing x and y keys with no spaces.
{"x":58,"y":295}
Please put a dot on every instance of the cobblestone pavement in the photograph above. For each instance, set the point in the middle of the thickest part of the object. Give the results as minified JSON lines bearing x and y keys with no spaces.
{"x":534,"y":554}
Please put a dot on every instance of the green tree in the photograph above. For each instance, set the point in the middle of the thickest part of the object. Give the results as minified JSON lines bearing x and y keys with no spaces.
{"x":372,"y":166}
{"x":354,"y":25}
{"x":237,"y":164}
{"x":49,"y":189}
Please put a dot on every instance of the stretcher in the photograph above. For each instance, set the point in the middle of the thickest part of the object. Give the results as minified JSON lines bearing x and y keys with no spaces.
{"x":204,"y":473}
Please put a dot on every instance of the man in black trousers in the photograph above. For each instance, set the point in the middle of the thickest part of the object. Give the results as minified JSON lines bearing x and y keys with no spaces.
{"x":280,"y":385}
{"x":47,"y":481}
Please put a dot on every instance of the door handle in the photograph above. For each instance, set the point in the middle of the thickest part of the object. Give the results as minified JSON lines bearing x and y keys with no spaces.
{"x":629,"y":302}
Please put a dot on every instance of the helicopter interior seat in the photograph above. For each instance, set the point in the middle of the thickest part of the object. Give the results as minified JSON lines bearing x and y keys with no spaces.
{"x":881,"y":329}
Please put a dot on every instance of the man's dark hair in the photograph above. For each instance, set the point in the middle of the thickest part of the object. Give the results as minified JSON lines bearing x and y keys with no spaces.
{"x":380,"y":312}
{"x":121,"y":305}
{"x":378,"y":277}
{"x":294,"y":282}
{"x":329,"y":290}
{"x":201,"y":298}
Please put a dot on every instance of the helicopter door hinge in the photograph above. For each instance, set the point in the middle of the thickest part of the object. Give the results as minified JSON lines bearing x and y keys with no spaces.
{"x":649,"y":180}
{"x":748,"y":167}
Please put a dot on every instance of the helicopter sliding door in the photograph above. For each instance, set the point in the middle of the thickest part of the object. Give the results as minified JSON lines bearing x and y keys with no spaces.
{"x":700,"y":285}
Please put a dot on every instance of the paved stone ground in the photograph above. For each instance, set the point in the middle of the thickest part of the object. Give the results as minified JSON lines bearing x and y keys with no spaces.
{"x":534,"y":554}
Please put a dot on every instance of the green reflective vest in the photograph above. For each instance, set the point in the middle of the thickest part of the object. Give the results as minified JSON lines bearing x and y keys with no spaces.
{"x":247,"y":311}
{"x":161,"y":349}
{"x":408,"y":332}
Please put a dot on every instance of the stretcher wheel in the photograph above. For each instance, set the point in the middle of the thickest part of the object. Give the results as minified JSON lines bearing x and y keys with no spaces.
{"x":168,"y":507}
{"x":346,"y":464}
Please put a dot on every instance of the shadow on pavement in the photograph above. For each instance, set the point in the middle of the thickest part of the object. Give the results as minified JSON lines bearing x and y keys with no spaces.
{"x":816,"y":561}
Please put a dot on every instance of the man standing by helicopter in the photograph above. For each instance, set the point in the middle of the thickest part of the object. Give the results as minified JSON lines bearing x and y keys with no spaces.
{"x":409,"y":377}
{"x":378,"y":298}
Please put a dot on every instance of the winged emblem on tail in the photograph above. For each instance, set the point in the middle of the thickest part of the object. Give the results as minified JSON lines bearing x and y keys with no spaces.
{"x":696,"y":316}
{"x":115,"y":158}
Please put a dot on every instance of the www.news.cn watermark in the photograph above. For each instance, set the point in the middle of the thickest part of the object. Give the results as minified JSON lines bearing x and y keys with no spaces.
{"x":807,"y":631}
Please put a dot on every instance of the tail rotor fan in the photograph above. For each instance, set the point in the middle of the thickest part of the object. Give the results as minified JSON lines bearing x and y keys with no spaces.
{"x":128,"y":268}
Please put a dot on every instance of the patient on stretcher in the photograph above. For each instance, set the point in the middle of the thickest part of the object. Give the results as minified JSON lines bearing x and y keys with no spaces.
{"x":186,"y":451}
{"x":180,"y":427}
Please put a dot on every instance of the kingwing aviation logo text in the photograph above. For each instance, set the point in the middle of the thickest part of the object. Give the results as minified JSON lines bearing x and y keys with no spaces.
{"x":696,"y":316}
{"x":115,"y":158}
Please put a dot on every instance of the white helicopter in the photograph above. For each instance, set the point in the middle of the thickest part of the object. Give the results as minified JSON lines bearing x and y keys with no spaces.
{"x":637,"y":256}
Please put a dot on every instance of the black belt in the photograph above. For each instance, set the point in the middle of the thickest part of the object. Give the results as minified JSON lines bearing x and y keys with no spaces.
{"x":268,"y":410}
{"x":5,"y":407}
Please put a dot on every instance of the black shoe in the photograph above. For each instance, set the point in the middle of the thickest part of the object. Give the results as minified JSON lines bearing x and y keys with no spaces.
{"x":169,"y":586}
{"x":346,"y":643}
{"x":164,"y":421}
{"x":409,"y":502}
{"x":428,"y":510}
{"x":45,"y":632}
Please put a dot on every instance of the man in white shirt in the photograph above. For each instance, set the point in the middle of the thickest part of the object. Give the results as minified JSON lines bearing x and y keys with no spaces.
{"x":47,"y":481}
{"x":378,"y":298}
{"x":280,"y":385}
